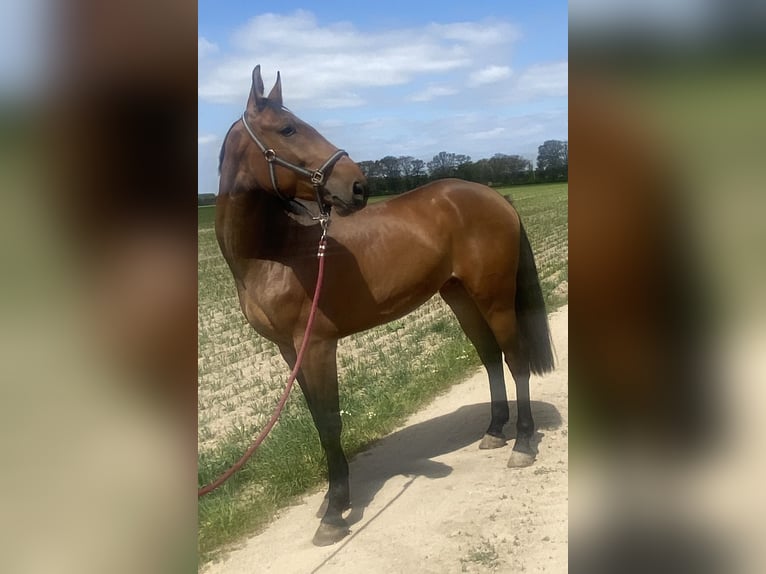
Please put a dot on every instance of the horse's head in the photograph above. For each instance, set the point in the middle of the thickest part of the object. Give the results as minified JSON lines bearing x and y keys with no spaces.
{"x":293,"y":160}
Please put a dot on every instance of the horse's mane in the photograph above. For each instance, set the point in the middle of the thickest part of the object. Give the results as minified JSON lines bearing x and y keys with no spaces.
{"x":222,"y":153}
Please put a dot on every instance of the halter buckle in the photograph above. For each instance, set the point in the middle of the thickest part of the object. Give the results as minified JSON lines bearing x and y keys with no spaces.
{"x":317,"y":177}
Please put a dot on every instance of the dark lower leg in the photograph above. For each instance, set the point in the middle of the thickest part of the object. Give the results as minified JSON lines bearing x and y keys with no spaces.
{"x":333,"y":527}
{"x":499,"y":398}
{"x":337,"y":467}
{"x":479,"y":332}
{"x":319,"y":381}
{"x":504,"y":326}
{"x":525,"y":425}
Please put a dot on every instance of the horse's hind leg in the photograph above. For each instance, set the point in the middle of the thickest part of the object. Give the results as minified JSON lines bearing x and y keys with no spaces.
{"x":479,"y":333}
{"x":318,"y":378}
{"x":523,"y":453}
{"x":505,"y":327}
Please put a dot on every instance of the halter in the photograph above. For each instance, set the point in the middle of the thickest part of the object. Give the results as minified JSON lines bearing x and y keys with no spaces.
{"x":317,"y":177}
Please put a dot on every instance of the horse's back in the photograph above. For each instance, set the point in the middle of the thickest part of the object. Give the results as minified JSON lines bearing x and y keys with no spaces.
{"x":441,"y":214}
{"x":459,"y":191}
{"x":450,"y":204}
{"x":449,"y":228}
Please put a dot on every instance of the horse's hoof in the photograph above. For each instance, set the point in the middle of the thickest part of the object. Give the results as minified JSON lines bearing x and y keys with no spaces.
{"x":328,"y":534}
{"x":520,"y":459}
{"x":490,"y":441}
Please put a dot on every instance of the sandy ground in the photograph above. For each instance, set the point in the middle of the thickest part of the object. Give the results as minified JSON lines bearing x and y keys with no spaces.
{"x":426,"y":500}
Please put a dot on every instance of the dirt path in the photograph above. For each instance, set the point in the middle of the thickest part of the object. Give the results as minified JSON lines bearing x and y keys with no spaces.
{"x":427,"y":500}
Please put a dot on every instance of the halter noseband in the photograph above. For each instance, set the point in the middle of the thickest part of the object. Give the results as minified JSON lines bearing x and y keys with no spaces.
{"x":316,"y":176}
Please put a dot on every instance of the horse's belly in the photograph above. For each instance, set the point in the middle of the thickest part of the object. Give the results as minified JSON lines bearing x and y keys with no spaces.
{"x":386,"y":303}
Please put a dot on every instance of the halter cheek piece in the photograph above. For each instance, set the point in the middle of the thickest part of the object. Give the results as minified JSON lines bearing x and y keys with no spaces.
{"x":317,"y":177}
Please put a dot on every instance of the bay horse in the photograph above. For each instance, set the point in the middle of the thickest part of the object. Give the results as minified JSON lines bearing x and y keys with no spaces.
{"x":460,"y":239}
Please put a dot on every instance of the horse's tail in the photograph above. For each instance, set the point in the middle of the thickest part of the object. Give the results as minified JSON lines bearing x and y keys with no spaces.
{"x":531,"y":317}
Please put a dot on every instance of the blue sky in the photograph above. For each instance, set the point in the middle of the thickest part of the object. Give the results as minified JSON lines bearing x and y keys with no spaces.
{"x":390,"y":78}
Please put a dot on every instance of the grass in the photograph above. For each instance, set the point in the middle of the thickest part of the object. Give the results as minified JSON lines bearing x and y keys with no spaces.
{"x":386,"y":374}
{"x":484,"y":554}
{"x":206,"y":216}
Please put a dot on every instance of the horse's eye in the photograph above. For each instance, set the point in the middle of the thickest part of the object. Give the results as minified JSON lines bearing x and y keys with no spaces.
{"x":287,"y":131}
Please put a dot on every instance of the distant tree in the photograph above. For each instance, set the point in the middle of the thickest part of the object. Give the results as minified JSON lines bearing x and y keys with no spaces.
{"x":418,"y":168}
{"x":389,"y":167}
{"x":369,"y":168}
{"x":519,"y":169}
{"x":553,"y":160}
{"x":467,"y":170}
{"x":440,"y":165}
{"x":418,"y":173}
{"x":412,"y":171}
{"x":482,"y":172}
{"x":508,"y":169}
{"x":391,"y":174}
{"x":376,"y":181}
{"x":206,"y":198}
{"x":406,"y":165}
{"x":446,"y":164}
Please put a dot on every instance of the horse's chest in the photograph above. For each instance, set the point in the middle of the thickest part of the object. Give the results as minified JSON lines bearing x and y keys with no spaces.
{"x":272,"y":314}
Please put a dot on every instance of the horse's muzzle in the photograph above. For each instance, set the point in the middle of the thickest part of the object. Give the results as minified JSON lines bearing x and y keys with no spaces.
{"x":349,"y":203}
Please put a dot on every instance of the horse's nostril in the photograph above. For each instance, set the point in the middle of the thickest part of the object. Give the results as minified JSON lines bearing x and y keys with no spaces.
{"x":360,"y":189}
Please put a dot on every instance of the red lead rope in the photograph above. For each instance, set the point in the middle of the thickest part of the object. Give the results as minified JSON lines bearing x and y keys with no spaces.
{"x":272,"y":421}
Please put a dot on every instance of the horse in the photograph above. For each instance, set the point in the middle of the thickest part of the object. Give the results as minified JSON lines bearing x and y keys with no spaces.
{"x":458,"y":238}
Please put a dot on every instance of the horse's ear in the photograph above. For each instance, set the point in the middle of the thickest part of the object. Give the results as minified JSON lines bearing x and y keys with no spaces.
{"x":275,"y":96}
{"x":256,"y":101}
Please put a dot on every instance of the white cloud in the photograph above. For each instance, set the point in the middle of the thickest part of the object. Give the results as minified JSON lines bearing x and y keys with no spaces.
{"x":432,"y":92}
{"x":489,"y":75}
{"x":477,"y":33}
{"x":487,"y":134}
{"x":544,"y":80}
{"x":331,"y":65}
{"x":205,"y":47}
{"x":205,"y":139}
{"x":349,"y":101}
{"x":298,"y":31}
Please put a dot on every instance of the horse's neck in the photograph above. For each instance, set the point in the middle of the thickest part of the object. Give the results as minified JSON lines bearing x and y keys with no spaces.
{"x":259,"y":230}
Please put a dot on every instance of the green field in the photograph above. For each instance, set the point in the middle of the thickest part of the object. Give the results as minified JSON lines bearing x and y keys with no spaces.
{"x":206,"y":217}
{"x":385,"y":374}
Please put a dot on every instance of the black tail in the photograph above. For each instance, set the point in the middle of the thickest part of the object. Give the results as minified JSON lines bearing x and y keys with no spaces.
{"x":530,"y":311}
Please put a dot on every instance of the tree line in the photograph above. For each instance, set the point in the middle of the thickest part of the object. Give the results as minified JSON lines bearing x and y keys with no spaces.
{"x":391,"y":175}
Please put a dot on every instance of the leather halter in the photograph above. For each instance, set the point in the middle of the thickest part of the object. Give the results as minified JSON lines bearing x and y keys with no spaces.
{"x":317,"y":177}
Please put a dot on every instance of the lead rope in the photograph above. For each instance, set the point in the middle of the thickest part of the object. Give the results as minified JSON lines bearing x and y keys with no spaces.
{"x":324,"y":220}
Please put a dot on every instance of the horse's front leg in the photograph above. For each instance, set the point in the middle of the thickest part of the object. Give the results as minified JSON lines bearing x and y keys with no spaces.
{"x":318,"y":378}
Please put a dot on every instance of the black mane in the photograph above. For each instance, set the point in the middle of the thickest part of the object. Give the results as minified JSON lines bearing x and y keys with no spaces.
{"x":222,"y":153}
